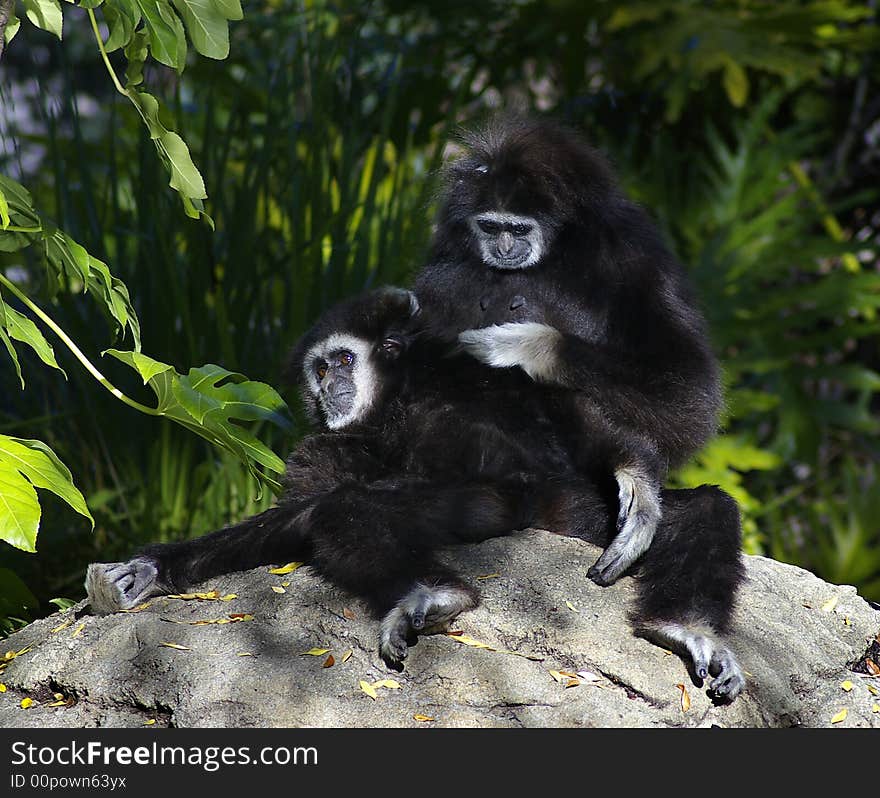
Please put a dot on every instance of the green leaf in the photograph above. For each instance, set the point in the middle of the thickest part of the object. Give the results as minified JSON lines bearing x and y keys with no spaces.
{"x":7,"y":342}
{"x":122,"y":18}
{"x":19,"y":509}
{"x":185,"y":178}
{"x":736,"y":83}
{"x":21,"y":328}
{"x":207,"y":26}
{"x":167,"y":38}
{"x":11,"y":27}
{"x":25,"y":465}
{"x":45,"y":14}
{"x":4,"y":210}
{"x":207,"y":399}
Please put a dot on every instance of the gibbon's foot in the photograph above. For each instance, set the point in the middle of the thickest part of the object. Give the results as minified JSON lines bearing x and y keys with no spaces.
{"x":114,"y":586}
{"x":637,"y":521}
{"x":710,"y":658}
{"x":424,"y":610}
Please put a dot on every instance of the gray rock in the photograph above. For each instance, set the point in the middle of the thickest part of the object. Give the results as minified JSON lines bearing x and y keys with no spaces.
{"x":540,"y":614}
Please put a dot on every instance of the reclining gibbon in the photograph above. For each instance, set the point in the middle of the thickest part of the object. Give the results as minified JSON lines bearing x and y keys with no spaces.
{"x":424,"y":449}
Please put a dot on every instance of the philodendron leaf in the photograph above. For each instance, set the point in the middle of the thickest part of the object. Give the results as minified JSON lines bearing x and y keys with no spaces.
{"x":209,"y":400}
{"x":45,"y":14}
{"x":21,"y":328}
{"x":25,"y":465}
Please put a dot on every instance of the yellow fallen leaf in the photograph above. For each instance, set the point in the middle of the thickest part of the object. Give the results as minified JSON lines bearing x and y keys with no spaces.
{"x":61,"y":626}
{"x":285,"y":584}
{"x":390,"y":684}
{"x":229,"y":597}
{"x":557,"y":675}
{"x":840,"y":716}
{"x":57,"y":696}
{"x":368,"y":689}
{"x":329,"y":662}
{"x":487,"y":576}
{"x":2,"y":687}
{"x":573,"y":682}
{"x":847,"y":621}
{"x":572,"y":607}
{"x":685,"y":698}
{"x":176,"y":646}
{"x":875,"y":708}
{"x":150,"y":722}
{"x":59,"y":703}
{"x":210,"y":595}
{"x":26,"y":702}
{"x":346,"y":656}
{"x":564,"y":677}
{"x":469,"y":641}
{"x":141,"y":607}
{"x":285,"y":569}
{"x":78,"y":630}
{"x":829,"y":605}
{"x":846,"y":686}
{"x":315,"y":652}
{"x":423,"y":718}
{"x":244,"y":654}
{"x":278,"y":588}
{"x":872,"y":690}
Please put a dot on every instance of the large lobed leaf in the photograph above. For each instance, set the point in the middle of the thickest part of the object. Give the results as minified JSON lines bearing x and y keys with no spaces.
{"x":24,"y":466}
{"x":209,"y":400}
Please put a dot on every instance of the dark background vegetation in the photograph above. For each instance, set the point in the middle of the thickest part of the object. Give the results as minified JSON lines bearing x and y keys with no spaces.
{"x":750,"y":128}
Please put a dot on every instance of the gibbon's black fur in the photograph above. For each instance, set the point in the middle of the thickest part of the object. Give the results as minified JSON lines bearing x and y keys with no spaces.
{"x":540,"y":261}
{"x":443,"y":451}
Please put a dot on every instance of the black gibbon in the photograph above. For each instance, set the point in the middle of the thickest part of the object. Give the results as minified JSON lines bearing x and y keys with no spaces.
{"x":428,"y":449}
{"x":540,"y":261}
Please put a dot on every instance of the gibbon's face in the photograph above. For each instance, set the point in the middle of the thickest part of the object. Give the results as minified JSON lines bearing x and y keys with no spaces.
{"x":507,"y":240}
{"x":348,"y":376}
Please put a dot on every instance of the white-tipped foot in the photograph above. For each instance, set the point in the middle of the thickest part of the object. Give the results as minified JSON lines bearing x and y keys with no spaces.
{"x":711,"y":659}
{"x":115,"y":586}
{"x":424,"y":610}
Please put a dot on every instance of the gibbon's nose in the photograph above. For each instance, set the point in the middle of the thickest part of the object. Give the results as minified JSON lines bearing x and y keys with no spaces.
{"x":328,"y":381}
{"x":505,"y":242}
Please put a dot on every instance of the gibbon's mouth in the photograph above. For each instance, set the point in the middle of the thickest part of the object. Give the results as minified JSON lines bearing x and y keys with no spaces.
{"x":513,"y":260}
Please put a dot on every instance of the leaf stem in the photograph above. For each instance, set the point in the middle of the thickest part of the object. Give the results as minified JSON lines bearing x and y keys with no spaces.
{"x":66,"y":340}
{"x":14,"y":229}
{"x":94,"y":22}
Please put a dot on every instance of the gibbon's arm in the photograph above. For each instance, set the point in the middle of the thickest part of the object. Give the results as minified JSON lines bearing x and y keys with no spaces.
{"x":669,"y":389}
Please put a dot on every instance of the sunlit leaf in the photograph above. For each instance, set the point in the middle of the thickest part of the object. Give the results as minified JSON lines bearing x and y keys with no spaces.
{"x":45,"y":14}
{"x":315,"y":652}
{"x":329,"y":662}
{"x":423,"y":718}
{"x":840,"y":716}
{"x":368,"y":689}
{"x":26,"y":702}
{"x":286,"y":569}
{"x":685,"y":698}
{"x":176,"y":646}
{"x":278,"y":588}
{"x":846,"y":686}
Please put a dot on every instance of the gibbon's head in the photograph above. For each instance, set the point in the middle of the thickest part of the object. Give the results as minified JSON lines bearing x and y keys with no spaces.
{"x":348,"y":362}
{"x":518,"y":186}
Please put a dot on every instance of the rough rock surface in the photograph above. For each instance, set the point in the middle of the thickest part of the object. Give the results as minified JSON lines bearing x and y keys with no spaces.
{"x":794,"y":634}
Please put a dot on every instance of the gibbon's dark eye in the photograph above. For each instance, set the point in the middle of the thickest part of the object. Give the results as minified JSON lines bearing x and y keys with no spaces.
{"x":521,"y":229}
{"x":321,"y":369}
{"x":346,"y":359}
{"x":392,"y":346}
{"x":492,"y":228}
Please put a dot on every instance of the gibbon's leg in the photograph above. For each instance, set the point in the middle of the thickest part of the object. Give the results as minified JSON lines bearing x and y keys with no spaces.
{"x":688,"y":581}
{"x":273,"y":536}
